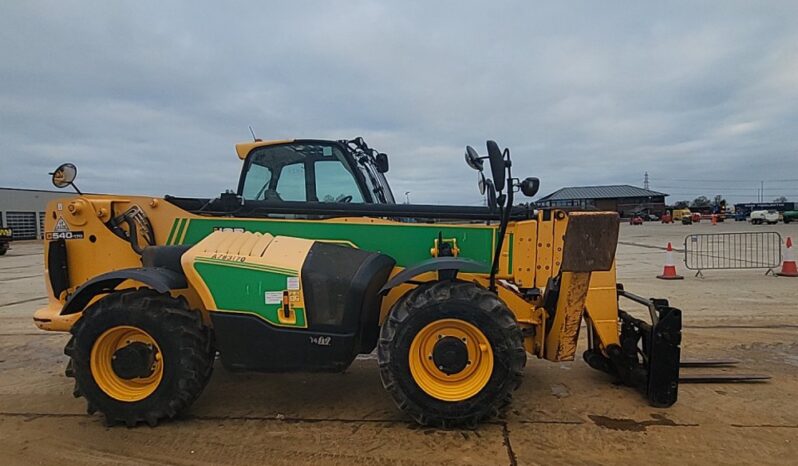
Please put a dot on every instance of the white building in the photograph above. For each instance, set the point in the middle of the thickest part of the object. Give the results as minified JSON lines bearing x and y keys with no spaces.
{"x":23,"y":210}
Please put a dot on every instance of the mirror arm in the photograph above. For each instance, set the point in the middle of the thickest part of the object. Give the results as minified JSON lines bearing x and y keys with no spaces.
{"x":505,"y":207}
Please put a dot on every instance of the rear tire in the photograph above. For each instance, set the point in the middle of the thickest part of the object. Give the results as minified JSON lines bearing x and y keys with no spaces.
{"x":441,"y":304}
{"x":182,"y":360}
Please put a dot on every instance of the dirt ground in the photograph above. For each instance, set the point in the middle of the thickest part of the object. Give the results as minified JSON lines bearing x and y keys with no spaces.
{"x":562,"y":413}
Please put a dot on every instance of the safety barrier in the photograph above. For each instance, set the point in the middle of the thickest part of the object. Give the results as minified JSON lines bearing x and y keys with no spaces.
{"x":721,"y":251}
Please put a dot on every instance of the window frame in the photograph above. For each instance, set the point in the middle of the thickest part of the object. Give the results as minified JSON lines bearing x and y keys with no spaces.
{"x":310,"y":168}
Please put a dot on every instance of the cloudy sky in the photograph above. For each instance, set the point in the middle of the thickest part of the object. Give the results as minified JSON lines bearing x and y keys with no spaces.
{"x":150,"y":97}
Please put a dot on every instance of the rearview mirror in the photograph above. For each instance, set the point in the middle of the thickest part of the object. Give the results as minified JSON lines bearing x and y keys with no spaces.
{"x":64,"y":175}
{"x":530,"y":186}
{"x":381,"y":161}
{"x":497,"y":166}
{"x":473,"y":159}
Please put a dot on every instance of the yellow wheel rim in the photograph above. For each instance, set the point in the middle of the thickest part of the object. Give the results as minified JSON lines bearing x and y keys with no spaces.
{"x":102,"y":354}
{"x":451,"y":387}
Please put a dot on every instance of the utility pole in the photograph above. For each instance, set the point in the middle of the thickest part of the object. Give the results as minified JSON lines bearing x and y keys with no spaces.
{"x":645,"y":181}
{"x":407,"y":197}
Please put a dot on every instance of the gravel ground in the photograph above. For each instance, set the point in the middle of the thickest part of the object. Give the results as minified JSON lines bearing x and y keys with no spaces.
{"x":562,"y":412}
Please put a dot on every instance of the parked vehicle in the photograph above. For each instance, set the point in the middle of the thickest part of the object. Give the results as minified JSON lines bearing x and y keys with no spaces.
{"x":678,"y":214}
{"x":740,"y":216}
{"x":758,"y":217}
{"x":5,"y":237}
{"x":790,"y":216}
{"x":650,"y":217}
{"x":687,"y":220}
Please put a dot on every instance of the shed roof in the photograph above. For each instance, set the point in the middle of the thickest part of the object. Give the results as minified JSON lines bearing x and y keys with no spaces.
{"x":600,"y":192}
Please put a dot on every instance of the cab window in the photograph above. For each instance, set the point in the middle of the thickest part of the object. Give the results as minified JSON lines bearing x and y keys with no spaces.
{"x":335,"y":183}
{"x":300,"y":172}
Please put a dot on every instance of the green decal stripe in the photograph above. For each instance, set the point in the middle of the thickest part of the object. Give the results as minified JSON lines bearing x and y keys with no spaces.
{"x":408,"y":243}
{"x":241,"y":289}
{"x":172,"y":232}
{"x":247,"y":265}
{"x":180,"y":230}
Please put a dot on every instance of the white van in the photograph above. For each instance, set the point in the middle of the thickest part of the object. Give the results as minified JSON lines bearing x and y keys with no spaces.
{"x":758,"y":217}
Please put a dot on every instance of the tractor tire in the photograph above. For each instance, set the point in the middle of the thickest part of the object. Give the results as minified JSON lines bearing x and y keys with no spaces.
{"x":139,"y":356}
{"x":423,"y":365}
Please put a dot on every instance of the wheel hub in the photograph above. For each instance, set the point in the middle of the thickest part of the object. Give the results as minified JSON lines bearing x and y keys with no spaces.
{"x":450,"y":355}
{"x":127,"y":363}
{"x":450,"y":359}
{"x":134,"y":360}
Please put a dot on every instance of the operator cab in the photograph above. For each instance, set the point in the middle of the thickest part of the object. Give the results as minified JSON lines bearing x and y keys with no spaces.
{"x":315,"y":171}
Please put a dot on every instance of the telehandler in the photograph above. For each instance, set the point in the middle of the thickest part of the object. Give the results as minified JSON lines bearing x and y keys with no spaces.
{"x":310,"y":262}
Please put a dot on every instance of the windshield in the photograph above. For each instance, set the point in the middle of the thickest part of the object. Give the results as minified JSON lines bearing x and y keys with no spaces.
{"x":317,"y":172}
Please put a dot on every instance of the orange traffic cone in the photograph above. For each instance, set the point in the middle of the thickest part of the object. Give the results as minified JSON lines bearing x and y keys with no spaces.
{"x":788,"y":267}
{"x":669,"y":272}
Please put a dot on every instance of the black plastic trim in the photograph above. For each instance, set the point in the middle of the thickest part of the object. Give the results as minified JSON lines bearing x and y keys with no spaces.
{"x":57,"y":266}
{"x":160,"y":279}
{"x":431,"y":265}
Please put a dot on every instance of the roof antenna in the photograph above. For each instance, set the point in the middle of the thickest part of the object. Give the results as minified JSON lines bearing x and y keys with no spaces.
{"x":251,"y":131}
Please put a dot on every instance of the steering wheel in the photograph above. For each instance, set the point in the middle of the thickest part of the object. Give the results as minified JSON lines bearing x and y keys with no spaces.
{"x":345,"y":199}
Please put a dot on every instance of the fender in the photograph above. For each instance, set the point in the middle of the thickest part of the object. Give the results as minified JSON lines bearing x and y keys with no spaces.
{"x":158,"y":278}
{"x":447,"y":266}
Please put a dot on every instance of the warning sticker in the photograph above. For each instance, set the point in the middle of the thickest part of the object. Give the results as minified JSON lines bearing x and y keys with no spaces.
{"x":273,"y":297}
{"x":292,"y":283}
{"x":61,"y":225}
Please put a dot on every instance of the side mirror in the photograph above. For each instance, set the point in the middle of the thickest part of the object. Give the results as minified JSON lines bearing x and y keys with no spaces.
{"x":381,"y":161}
{"x":64,"y":175}
{"x":497,"y":166}
{"x":473,"y":159}
{"x":530,"y":186}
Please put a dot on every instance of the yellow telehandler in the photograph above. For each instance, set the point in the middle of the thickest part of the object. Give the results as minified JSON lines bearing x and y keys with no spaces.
{"x":311,"y":262}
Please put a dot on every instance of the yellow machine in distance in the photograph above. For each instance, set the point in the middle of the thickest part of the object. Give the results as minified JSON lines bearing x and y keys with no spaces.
{"x":311,"y":262}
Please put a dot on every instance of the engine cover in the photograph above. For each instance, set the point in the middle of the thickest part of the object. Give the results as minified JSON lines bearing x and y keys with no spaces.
{"x":283,"y":303}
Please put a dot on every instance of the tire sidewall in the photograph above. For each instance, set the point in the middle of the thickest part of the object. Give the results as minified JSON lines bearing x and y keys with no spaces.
{"x":469,"y":312}
{"x":105,"y":318}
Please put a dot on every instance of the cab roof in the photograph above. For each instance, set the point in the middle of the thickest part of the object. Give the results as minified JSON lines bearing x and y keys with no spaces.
{"x":244,"y":148}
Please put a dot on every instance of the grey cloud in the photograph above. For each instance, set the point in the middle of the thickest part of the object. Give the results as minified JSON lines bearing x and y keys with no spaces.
{"x":150,"y":97}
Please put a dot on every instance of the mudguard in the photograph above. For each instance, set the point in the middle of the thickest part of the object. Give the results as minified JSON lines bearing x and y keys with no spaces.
{"x":450,"y":265}
{"x":160,"y":279}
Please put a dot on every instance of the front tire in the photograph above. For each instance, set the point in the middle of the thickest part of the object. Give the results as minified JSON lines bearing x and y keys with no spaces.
{"x":431,"y":375}
{"x":139,"y":356}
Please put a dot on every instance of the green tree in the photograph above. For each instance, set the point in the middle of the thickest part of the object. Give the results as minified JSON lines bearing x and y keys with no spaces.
{"x":701,"y":201}
{"x":681,"y":204}
{"x":780,"y":199}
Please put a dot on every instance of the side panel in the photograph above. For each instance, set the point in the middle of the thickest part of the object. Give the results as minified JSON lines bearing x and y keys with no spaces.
{"x":407,"y":243}
{"x":281,"y":303}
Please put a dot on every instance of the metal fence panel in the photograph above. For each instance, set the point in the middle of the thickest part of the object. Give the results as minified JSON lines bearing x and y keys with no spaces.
{"x":716,"y":251}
